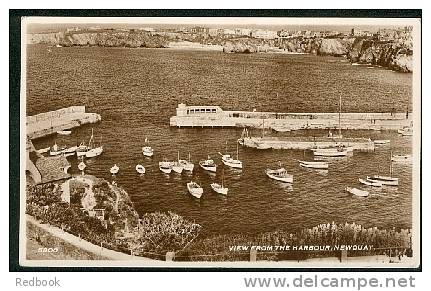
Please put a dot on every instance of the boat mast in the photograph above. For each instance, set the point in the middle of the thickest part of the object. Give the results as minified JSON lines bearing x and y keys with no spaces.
{"x":237,"y":153}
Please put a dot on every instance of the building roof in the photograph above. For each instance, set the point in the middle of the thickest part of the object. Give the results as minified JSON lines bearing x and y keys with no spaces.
{"x":52,"y":168}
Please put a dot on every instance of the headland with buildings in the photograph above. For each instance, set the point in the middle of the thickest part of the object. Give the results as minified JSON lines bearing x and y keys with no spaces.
{"x":391,"y":48}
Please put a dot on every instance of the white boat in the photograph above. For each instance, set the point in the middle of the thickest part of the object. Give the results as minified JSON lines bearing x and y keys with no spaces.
{"x":401,"y":158}
{"x":382,"y":141}
{"x":369,"y":183}
{"x":281,"y":128}
{"x":208,"y":165}
{"x":44,"y":150}
{"x":406,"y":131}
{"x":90,"y":150}
{"x":114,"y":170}
{"x":55,"y":150}
{"x":165,"y":167}
{"x":384,"y":180}
{"x":357,"y":192}
{"x":94,"y":152}
{"x":187,"y":165}
{"x":279,"y":175}
{"x":331,"y":152}
{"x":219,"y":188}
{"x":314,"y":165}
{"x":176,"y":166}
{"x":64,"y":132}
{"x":67,"y":154}
{"x":195,"y":189}
{"x":147,"y":150}
{"x":58,"y":45}
{"x":140,"y":169}
{"x":230,"y":162}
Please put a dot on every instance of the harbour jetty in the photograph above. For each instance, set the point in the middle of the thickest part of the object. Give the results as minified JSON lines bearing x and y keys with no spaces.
{"x":306,"y":143}
{"x":66,"y":118}
{"x":214,"y":116}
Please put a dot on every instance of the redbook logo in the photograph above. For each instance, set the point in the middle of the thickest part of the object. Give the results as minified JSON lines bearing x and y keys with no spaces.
{"x":36,"y":282}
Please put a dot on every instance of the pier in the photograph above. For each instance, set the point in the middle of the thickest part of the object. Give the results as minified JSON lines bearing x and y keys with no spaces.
{"x":306,"y":143}
{"x":214,"y":116}
{"x":66,"y":118}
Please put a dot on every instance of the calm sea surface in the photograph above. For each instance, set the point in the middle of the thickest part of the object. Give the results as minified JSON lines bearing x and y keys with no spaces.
{"x":137,"y":90}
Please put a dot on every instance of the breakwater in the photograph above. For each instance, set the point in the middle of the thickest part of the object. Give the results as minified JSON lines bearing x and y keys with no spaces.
{"x":214,"y":116}
{"x":66,"y":118}
{"x":303,"y":143}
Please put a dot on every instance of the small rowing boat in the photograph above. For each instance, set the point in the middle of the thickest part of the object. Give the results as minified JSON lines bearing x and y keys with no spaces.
{"x":401,"y":158}
{"x":194,"y":189}
{"x":140,"y":169}
{"x":114,"y":170}
{"x":357,"y":192}
{"x":314,"y":165}
{"x":369,"y":183}
{"x":381,"y":141}
{"x":384,"y":180}
{"x":64,"y":132}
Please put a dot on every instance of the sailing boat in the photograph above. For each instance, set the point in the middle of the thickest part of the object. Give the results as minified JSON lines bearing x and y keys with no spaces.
{"x":89,"y":150}
{"x":208,"y":165}
{"x":187,"y":165}
{"x":220,"y":188}
{"x":93,"y":151}
{"x":229,"y":161}
{"x":176,"y":166}
{"x":385,"y":180}
{"x":147,"y":150}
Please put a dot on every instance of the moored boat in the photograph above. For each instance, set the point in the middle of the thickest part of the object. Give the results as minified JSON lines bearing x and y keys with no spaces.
{"x":187,"y":165}
{"x":279,"y":175}
{"x":406,"y":131}
{"x":369,"y":183}
{"x":231,"y":162}
{"x":147,"y":150}
{"x":382,"y":141}
{"x":165,"y":167}
{"x":384,"y":180}
{"x":331,"y":152}
{"x":44,"y":150}
{"x":64,"y":132}
{"x":194,"y":189}
{"x":176,"y":166}
{"x":90,"y":150}
{"x":357,"y":192}
{"x":314,"y":165}
{"x":140,"y":169}
{"x":208,"y":165}
{"x":219,"y":188}
{"x":401,"y":158}
{"x":114,"y":169}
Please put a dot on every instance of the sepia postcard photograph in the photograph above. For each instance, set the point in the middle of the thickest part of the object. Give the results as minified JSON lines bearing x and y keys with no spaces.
{"x":220,"y":142}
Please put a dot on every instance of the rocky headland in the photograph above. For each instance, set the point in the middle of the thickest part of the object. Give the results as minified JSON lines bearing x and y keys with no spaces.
{"x":395,"y":54}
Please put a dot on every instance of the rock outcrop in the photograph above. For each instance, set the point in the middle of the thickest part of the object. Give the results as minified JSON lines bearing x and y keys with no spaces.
{"x":395,"y":54}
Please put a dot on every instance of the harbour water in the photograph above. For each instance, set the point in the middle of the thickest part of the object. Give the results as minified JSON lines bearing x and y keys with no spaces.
{"x":137,"y":90}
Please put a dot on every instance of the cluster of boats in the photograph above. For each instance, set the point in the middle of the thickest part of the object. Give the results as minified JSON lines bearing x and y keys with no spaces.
{"x":89,"y":150}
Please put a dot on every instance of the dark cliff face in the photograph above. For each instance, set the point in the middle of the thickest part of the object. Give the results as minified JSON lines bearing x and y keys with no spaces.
{"x":396,"y":54}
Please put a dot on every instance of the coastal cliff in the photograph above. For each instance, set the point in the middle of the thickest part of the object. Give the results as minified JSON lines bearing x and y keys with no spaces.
{"x":396,"y":54}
